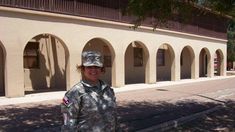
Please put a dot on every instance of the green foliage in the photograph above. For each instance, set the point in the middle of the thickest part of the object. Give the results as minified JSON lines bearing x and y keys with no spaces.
{"x":226,"y":7}
{"x":231,"y":42}
{"x":159,"y":10}
{"x":163,"y":10}
{"x":230,"y":52}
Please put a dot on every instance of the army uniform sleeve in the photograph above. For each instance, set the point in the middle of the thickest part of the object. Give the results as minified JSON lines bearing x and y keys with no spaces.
{"x":117,"y":122}
{"x":70,"y":109}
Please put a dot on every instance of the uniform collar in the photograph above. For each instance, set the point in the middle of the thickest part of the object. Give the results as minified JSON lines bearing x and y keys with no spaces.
{"x":100,"y":84}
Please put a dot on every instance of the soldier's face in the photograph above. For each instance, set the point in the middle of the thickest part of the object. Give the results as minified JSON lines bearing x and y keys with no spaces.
{"x":92,"y":73}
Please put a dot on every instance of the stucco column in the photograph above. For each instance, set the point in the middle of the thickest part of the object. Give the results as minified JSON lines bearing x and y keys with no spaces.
{"x":151,"y":69}
{"x":75,"y":75}
{"x":211,"y":67}
{"x":195,"y":71}
{"x":175,"y":74}
{"x":224,"y":65}
{"x":118,"y":71}
{"x":14,"y":79}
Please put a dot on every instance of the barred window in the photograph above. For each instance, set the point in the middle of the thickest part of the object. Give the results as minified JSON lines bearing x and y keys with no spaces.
{"x":107,"y":61}
{"x":138,"y":57}
{"x":31,"y":55}
{"x":161,"y":57}
{"x":107,"y":57}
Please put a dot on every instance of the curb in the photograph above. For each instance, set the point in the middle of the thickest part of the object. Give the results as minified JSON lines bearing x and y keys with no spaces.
{"x":37,"y":97}
{"x":177,"y":122}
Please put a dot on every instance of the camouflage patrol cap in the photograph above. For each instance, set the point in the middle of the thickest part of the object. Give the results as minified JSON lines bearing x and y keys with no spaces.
{"x":92,"y":58}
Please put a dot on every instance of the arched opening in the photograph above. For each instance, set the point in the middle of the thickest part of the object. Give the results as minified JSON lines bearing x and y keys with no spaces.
{"x":136,"y":57}
{"x":204,"y":62}
{"x":165,"y":58}
{"x":218,"y":63}
{"x":105,"y":48}
{"x":45,"y":64}
{"x":2,"y":71}
{"x":187,"y":63}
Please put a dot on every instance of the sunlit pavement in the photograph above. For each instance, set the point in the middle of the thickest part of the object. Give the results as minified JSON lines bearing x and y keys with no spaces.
{"x":38,"y":97}
{"x":140,"y":106}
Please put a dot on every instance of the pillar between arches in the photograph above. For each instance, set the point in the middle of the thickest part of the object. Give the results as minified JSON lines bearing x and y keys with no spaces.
{"x":175,"y":75}
{"x":14,"y":73}
{"x":118,"y":71}
{"x":75,"y":75}
{"x":195,"y":71}
{"x":211,"y":67}
{"x":151,"y":69}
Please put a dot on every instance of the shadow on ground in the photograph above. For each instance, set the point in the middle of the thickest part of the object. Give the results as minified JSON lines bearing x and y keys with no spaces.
{"x":29,"y":117}
{"x":137,"y":116}
{"x":222,"y":120}
{"x":132,"y":115}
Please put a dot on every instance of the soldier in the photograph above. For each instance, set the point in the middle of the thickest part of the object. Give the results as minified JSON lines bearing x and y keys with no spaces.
{"x":90,"y":105}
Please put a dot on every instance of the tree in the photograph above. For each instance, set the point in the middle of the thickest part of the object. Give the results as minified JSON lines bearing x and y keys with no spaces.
{"x":231,"y":44}
{"x":224,"y":7}
{"x":160,"y":10}
{"x":163,"y":10}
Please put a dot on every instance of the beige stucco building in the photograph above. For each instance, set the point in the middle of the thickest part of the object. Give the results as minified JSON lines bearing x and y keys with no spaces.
{"x":39,"y":51}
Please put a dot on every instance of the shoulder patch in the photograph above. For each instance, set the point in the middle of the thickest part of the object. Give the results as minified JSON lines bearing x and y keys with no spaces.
{"x":66,"y":101}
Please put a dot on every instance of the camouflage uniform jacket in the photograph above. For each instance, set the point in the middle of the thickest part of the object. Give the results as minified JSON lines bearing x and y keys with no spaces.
{"x":89,"y":108}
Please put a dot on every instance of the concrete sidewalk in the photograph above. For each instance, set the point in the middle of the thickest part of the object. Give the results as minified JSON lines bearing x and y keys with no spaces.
{"x":38,"y":97}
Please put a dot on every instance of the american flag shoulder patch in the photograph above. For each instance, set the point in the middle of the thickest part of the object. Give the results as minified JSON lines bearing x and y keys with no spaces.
{"x":66,"y":101}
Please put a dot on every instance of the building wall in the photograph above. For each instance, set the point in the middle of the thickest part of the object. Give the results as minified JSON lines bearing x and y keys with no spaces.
{"x":1,"y":71}
{"x":76,"y":32}
{"x":186,"y":62}
{"x":203,"y":64}
{"x":133,"y":74}
{"x":51,"y":71}
{"x":164,"y":72}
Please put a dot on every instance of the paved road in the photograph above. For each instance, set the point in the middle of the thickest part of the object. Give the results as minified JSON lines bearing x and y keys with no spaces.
{"x":137,"y":109}
{"x":168,"y":103}
{"x":221,"y":120}
{"x":213,"y":89}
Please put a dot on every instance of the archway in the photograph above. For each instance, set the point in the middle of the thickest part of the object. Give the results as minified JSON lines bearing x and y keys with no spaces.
{"x":105,"y":48}
{"x":45,"y":64}
{"x":136,"y":57}
{"x":204,"y":62}
{"x":2,"y":71}
{"x":218,"y":63}
{"x":165,"y":59}
{"x":187,"y":58}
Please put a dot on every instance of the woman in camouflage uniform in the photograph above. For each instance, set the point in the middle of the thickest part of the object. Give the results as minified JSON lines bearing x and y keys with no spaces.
{"x":90,"y":105}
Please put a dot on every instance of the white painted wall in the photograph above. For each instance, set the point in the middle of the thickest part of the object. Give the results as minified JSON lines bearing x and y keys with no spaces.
{"x":1,"y":71}
{"x":76,"y":32}
{"x":51,"y":73}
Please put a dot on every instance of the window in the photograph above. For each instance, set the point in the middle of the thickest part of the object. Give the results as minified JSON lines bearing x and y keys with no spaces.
{"x":107,"y":61}
{"x":181,"y":60}
{"x":161,"y":57}
{"x":215,"y":64}
{"x":31,"y":55}
{"x":138,"y":57}
{"x":107,"y":57}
